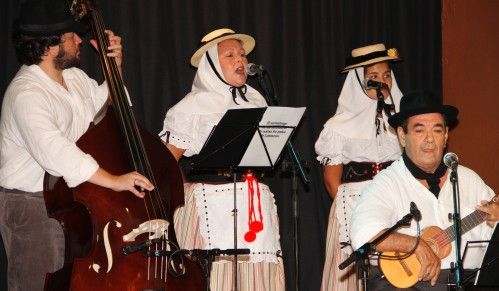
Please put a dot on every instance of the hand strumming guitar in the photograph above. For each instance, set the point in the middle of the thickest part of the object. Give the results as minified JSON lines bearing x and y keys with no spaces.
{"x":492,"y":209}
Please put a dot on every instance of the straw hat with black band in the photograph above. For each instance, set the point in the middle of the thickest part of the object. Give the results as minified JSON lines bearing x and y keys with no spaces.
{"x":46,"y":18}
{"x":210,"y":93}
{"x":356,"y":111}
{"x":217,"y":36}
{"x":369,"y":55}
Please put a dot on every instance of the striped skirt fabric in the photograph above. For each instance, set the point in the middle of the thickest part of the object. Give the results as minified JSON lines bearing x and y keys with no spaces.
{"x":260,"y":276}
{"x":334,"y":279}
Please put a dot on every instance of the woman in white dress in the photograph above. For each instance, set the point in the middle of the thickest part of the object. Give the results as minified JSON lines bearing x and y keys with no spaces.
{"x":354,"y":145}
{"x":206,"y":221}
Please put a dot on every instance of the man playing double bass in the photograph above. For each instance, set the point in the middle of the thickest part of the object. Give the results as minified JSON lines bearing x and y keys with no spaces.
{"x":48,"y":105}
{"x":421,"y":177}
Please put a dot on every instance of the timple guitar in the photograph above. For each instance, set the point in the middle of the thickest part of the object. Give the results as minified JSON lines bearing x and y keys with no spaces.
{"x":403,"y":273}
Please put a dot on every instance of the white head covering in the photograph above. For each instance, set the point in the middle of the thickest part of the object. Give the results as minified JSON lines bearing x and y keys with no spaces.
{"x":188,"y":124}
{"x":209,"y":94}
{"x":356,"y":112}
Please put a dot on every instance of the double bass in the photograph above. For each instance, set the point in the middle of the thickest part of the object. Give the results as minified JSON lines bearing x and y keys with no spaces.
{"x":115,"y":240}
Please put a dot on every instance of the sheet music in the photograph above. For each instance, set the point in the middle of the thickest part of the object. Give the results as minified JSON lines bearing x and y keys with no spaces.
{"x":276,"y":127}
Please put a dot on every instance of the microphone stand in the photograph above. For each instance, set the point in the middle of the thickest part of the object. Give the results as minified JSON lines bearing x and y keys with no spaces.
{"x":271,"y":100}
{"x":361,"y":254}
{"x":456,"y":217}
{"x":381,"y":106}
{"x":234,"y":212}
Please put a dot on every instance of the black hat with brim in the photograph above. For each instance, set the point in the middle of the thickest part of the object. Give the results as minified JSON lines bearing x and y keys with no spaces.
{"x":47,"y":18}
{"x":417,"y":103}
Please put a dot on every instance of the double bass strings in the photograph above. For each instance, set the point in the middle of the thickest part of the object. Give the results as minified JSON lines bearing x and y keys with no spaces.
{"x":155,"y":208}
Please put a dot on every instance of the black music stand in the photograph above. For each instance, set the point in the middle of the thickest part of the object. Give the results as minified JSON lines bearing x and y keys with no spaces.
{"x":487,"y":276}
{"x":240,"y":143}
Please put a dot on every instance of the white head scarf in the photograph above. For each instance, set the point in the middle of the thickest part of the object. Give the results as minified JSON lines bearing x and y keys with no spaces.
{"x":356,"y":112}
{"x":209,"y":94}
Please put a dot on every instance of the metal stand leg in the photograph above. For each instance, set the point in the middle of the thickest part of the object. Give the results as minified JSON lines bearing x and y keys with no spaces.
{"x":295,"y":233}
{"x":234,"y":263}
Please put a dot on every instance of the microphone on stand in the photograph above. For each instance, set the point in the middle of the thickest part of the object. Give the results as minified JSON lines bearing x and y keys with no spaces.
{"x":264,"y":80}
{"x":364,"y":250}
{"x":371,"y":84}
{"x":451,"y":161}
{"x":369,"y":247}
{"x":253,"y":69}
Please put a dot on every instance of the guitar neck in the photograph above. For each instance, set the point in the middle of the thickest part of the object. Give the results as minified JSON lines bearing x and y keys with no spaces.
{"x":467,"y":223}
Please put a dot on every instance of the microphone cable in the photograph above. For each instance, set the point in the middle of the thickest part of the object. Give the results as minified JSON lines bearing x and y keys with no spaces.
{"x":408,"y":254}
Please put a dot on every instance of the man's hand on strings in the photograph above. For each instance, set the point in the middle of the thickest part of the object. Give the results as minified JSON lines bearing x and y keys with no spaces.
{"x":115,"y":49}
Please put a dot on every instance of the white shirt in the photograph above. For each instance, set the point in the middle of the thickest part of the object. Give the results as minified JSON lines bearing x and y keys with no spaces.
{"x":333,"y":148}
{"x":39,"y":125}
{"x":387,"y":198}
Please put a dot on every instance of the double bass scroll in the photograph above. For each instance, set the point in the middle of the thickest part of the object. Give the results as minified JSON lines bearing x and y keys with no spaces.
{"x":99,"y":224}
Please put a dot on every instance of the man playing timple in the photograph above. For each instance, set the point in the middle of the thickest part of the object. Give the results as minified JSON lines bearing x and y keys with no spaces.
{"x":420,"y":176}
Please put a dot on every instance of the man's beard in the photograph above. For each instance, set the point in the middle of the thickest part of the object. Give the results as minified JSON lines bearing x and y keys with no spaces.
{"x":65,"y":61}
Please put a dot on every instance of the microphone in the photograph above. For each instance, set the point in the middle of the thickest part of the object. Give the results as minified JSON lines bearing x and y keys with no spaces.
{"x":451,"y":160}
{"x":416,"y":214}
{"x":130,"y":249}
{"x":253,"y":69}
{"x":197,"y":252}
{"x":369,"y":247}
{"x":371,"y":84}
{"x":364,"y":250}
{"x":217,"y":252}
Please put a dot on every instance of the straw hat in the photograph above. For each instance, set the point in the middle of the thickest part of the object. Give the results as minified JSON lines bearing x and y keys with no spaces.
{"x":218,"y":36}
{"x":369,"y":55}
{"x":417,"y":103}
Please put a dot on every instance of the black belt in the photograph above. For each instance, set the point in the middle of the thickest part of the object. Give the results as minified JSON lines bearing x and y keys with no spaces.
{"x":217,"y":177}
{"x":361,"y":171}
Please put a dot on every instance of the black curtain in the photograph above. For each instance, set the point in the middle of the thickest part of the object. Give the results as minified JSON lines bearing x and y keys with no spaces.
{"x":302,"y":44}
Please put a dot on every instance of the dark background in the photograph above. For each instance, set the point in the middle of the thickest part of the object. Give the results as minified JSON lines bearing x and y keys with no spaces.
{"x":303,"y":45}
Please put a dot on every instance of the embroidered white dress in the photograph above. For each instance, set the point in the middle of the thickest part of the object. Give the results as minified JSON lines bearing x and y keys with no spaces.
{"x":206,"y":220}
{"x":351,"y":135}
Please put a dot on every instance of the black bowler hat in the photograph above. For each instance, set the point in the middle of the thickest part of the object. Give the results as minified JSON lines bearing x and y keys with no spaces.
{"x":416,"y":103}
{"x":47,"y":18}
